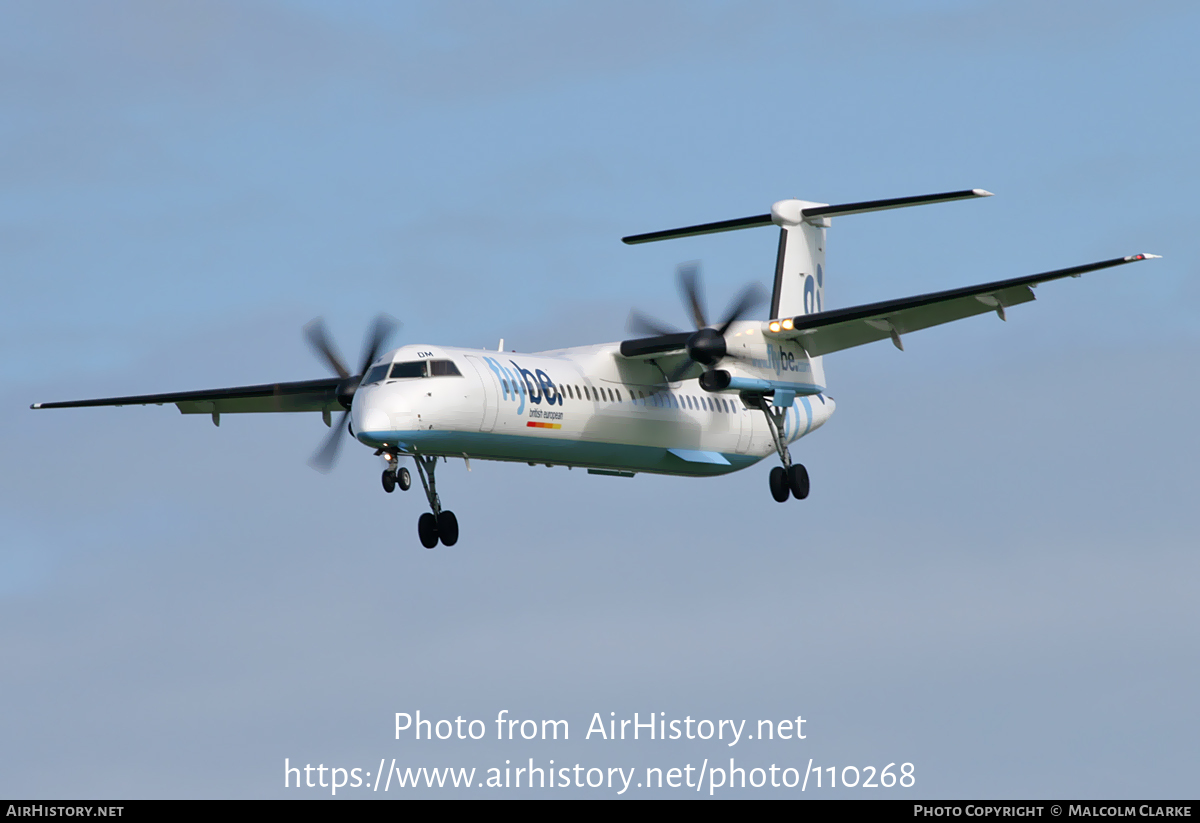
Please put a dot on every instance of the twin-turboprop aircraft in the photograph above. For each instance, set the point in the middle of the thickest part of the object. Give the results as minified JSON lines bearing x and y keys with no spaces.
{"x":699,"y":403}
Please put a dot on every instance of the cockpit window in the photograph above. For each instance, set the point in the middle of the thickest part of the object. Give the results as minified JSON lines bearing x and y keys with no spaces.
{"x":444,"y":368}
{"x":415,"y":368}
{"x":376,"y":373}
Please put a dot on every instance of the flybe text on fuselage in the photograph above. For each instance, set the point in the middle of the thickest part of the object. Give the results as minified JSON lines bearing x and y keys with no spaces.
{"x":533,"y":384}
{"x":781,"y":361}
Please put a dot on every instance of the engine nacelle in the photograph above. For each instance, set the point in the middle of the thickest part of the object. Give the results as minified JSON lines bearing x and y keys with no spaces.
{"x":715,"y":380}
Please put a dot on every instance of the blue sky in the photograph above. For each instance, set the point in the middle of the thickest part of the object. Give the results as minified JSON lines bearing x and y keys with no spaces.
{"x":992,"y":579}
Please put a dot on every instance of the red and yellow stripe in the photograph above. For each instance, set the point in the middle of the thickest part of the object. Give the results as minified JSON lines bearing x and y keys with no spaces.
{"x":537,"y":424}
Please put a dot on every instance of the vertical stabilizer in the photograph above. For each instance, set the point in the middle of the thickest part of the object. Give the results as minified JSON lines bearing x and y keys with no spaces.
{"x":800,"y":261}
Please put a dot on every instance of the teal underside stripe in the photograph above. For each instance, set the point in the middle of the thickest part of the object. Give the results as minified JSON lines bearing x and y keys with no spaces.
{"x":489,"y":445}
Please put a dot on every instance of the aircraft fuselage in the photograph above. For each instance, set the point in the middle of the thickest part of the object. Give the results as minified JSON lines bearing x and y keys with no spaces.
{"x":583,"y":407}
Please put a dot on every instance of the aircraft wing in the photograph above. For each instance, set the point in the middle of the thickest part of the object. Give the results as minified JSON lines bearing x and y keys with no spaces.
{"x":303,"y":396}
{"x":668,"y":356}
{"x":831,"y":331}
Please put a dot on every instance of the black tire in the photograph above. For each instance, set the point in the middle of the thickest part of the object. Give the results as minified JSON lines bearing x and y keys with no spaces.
{"x":403,"y":479}
{"x":779,"y":484}
{"x":427,"y":529}
{"x":447,"y":526}
{"x":389,"y":481}
{"x":798,"y":481}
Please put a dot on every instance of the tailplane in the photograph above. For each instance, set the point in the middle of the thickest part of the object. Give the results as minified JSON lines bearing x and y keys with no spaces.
{"x":800,"y":262}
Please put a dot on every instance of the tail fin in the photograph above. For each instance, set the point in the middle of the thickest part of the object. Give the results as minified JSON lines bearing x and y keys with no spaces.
{"x":800,"y":262}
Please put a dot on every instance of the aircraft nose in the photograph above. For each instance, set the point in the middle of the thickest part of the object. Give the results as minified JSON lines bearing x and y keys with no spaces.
{"x":368,"y":418}
{"x":372,"y":420}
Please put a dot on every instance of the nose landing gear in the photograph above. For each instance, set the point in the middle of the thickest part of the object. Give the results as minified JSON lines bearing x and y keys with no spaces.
{"x":398,"y":477}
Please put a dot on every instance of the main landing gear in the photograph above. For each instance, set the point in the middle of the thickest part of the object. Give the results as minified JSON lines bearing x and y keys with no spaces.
{"x":790,"y":479}
{"x":438,"y":525}
{"x":432,"y":527}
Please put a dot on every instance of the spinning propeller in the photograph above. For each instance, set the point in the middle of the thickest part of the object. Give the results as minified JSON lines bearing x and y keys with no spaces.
{"x":383,"y":328}
{"x":705,"y":346}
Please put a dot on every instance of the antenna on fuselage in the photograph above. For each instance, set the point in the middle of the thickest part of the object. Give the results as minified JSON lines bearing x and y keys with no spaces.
{"x":501,"y":346}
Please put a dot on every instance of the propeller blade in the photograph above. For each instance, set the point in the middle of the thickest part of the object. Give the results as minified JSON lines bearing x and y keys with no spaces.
{"x":692,"y":291}
{"x":383,"y":328}
{"x":751,"y":298}
{"x":323,"y":460}
{"x":314,"y":332}
{"x":644,"y":324}
{"x":680,"y":370}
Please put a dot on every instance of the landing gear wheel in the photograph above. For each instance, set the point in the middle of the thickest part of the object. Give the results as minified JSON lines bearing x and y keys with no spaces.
{"x":427,"y":528}
{"x":779,"y":484}
{"x":797,"y":477}
{"x":389,"y":481}
{"x":447,"y":527}
{"x":403,"y":479}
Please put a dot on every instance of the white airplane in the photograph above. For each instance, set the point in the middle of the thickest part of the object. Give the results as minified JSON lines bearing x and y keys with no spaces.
{"x":706,"y":402}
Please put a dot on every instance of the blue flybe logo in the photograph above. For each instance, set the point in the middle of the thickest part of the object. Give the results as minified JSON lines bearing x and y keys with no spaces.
{"x":518,"y":383}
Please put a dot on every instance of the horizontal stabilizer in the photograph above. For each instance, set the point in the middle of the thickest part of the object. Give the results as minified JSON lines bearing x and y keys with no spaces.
{"x":703,"y":228}
{"x":784,"y":213}
{"x":894,"y":203}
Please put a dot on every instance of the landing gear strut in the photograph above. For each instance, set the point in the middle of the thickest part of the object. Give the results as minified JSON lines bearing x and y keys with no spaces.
{"x":790,"y":479}
{"x":438,"y":524}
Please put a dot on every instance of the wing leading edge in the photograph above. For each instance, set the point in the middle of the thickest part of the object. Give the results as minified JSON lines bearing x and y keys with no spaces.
{"x":303,"y":396}
{"x":831,"y":331}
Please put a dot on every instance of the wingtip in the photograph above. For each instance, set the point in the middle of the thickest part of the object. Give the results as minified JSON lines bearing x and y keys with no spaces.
{"x":35,"y":405}
{"x":1133,"y":257}
{"x":982,"y":193}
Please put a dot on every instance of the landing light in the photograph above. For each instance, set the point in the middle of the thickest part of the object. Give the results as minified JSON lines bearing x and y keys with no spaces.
{"x":775,"y":325}
{"x":787,"y":324}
